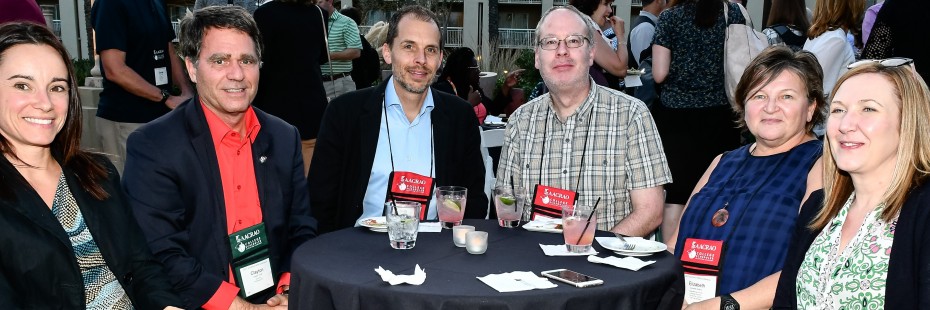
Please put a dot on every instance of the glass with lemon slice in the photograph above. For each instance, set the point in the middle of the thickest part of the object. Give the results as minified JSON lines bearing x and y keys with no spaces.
{"x":509,"y":203}
{"x":450,"y":204}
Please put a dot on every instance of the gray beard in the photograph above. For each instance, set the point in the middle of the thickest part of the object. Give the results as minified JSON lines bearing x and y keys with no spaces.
{"x":408,"y":87}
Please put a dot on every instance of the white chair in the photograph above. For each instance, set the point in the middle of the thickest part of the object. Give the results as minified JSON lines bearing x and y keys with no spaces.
{"x":493,"y":137}
{"x":490,"y":138}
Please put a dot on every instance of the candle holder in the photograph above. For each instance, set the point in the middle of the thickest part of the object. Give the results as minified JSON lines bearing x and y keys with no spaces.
{"x":476,"y":242}
{"x":459,"y":234}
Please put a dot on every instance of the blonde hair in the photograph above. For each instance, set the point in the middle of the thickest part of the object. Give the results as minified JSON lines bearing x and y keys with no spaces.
{"x":834,"y":14}
{"x":913,"y":160}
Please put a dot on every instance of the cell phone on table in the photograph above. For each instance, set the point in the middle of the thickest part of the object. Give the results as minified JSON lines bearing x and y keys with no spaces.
{"x":572,"y":277}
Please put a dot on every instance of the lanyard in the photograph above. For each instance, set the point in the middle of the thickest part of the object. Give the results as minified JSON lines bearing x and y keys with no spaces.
{"x":584,"y":148}
{"x":390,"y":144}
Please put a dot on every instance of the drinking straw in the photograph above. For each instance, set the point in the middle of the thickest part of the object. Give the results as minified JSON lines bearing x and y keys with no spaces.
{"x":588,"y":222}
{"x":394,"y":205}
{"x":514,"y":192}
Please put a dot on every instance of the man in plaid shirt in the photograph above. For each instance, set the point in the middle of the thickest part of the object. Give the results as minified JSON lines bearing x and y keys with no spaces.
{"x":585,"y":138}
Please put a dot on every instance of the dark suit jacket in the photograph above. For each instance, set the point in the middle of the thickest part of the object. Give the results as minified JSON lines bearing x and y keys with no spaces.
{"x":291,"y":83}
{"x":908,"y":281}
{"x":172,"y":180}
{"x":345,"y":153}
{"x":38,"y":269}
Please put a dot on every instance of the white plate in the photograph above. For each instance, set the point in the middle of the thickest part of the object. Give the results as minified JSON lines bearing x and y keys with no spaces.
{"x":376,"y":223}
{"x":642,"y":247}
{"x":545,"y":225}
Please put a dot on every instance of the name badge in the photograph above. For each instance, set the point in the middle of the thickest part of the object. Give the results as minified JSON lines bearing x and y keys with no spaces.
{"x":251,"y":264}
{"x":411,"y":186}
{"x":548,"y":201}
{"x":161,"y":76}
{"x":701,"y":261}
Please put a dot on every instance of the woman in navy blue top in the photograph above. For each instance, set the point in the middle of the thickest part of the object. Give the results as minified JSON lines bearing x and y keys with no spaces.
{"x":749,"y":198}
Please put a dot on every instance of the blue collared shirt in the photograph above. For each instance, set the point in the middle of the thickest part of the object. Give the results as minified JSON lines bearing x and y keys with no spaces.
{"x":411,"y":145}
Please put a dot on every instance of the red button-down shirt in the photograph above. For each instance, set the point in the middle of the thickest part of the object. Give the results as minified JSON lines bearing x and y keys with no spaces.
{"x":240,"y":189}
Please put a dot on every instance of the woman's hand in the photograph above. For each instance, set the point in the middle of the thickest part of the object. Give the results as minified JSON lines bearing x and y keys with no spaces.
{"x":619,"y":27}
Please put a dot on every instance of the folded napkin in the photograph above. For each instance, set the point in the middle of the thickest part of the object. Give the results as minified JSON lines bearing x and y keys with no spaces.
{"x":417,"y":278}
{"x":631,"y":263}
{"x":430,"y":227}
{"x":561,"y":250}
{"x":516,"y":281}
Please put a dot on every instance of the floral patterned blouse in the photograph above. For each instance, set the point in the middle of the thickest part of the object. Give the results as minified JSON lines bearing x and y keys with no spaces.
{"x":853,"y":279}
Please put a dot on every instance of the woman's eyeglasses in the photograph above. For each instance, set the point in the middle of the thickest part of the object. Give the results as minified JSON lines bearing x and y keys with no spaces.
{"x":887,"y":63}
{"x":572,"y":41}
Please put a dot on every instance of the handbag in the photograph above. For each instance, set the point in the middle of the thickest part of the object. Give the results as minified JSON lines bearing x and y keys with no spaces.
{"x":741,"y":45}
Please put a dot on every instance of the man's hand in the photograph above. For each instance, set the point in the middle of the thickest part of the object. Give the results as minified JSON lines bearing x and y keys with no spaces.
{"x":241,"y":304}
{"x":278,"y":300}
{"x":513,"y":77}
{"x":175,"y":101}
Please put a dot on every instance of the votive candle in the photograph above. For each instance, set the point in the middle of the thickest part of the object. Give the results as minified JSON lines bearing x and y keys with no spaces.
{"x":476,"y":242}
{"x":459,"y":232}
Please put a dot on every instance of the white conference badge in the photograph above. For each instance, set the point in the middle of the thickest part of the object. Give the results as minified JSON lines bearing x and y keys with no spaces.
{"x":257,"y":277}
{"x":161,"y":76}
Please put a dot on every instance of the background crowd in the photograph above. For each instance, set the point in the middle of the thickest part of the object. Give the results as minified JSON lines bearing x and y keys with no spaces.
{"x":812,"y":174}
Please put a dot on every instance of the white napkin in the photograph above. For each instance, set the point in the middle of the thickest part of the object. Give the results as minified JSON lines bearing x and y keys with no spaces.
{"x":419,"y":275}
{"x":491,"y":119}
{"x":430,"y":227}
{"x":516,"y":281}
{"x":631,"y":263}
{"x":561,"y":250}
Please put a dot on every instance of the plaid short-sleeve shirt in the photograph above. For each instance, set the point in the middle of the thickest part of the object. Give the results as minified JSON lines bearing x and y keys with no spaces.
{"x":608,"y":147}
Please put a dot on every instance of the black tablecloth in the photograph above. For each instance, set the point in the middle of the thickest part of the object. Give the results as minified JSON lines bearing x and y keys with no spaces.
{"x":336,"y":271}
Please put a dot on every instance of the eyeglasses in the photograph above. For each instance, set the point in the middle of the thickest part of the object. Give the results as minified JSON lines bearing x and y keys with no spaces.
{"x":887,"y":63}
{"x":572,"y":41}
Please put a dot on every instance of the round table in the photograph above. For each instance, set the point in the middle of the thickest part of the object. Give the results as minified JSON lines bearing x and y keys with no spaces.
{"x":336,"y":271}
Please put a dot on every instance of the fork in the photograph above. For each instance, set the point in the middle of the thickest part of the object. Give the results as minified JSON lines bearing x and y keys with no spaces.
{"x":624,"y":244}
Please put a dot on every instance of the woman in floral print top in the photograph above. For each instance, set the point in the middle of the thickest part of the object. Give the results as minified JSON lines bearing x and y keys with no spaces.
{"x":876,"y":157}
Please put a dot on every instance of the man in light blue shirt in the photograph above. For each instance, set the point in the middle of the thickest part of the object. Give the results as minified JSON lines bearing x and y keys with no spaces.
{"x":401,"y":152}
{"x":401,"y":137}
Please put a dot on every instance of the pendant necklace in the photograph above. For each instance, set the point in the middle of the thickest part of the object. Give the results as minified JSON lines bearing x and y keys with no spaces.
{"x":722,"y":215}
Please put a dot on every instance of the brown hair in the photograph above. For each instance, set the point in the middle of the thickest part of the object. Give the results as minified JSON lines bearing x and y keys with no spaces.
{"x":913,"y":160}
{"x":66,"y":145}
{"x":194,"y":27}
{"x":771,"y":62}
{"x":835,"y":14}
{"x":789,"y":12}
{"x":418,"y":12}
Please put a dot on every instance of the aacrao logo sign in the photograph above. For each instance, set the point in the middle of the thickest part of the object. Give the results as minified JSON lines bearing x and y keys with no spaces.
{"x":705,"y":252}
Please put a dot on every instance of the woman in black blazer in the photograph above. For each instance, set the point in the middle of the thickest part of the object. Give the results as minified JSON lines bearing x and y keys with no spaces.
{"x":69,"y":241}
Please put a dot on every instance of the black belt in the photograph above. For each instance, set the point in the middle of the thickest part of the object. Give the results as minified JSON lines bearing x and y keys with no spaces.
{"x":327,"y":78}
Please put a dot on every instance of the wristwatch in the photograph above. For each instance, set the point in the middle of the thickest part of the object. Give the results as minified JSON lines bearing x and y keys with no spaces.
{"x":727,"y":302}
{"x":164,"y":96}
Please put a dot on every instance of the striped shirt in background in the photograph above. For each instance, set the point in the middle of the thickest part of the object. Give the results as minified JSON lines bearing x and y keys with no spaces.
{"x":343,"y":34}
{"x":624,"y":151}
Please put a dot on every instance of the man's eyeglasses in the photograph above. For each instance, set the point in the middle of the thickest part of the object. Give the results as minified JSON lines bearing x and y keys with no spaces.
{"x":887,"y":63}
{"x":572,"y":41}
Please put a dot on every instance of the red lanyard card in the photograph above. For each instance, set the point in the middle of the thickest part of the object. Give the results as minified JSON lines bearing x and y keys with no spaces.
{"x":702,"y":260}
{"x":409,"y":186}
{"x":548,"y":201}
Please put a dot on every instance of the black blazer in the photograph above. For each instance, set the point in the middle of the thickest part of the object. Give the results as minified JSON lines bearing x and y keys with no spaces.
{"x":908,"y":281}
{"x":345,"y":153}
{"x":172,"y":181}
{"x":38,"y":269}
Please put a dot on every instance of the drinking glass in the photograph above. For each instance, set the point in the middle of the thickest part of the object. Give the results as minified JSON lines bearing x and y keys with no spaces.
{"x":509,"y":203}
{"x":450,"y":204}
{"x":578,"y":225}
{"x":403,"y":223}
